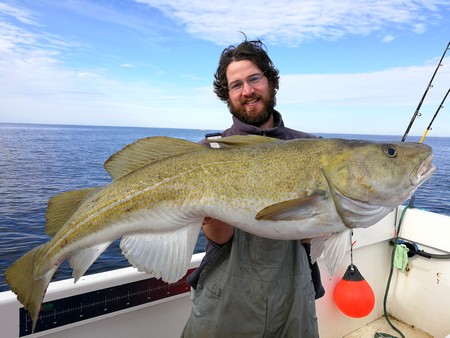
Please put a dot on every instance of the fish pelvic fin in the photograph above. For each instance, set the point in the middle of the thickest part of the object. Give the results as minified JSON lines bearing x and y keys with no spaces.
{"x":60,"y":207}
{"x":293,"y":210}
{"x":28,"y":284}
{"x":146,"y":151}
{"x":164,"y":255}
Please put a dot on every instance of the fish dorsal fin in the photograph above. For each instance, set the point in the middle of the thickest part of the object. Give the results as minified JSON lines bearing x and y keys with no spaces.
{"x":62,"y":206}
{"x":146,"y":151}
{"x":243,"y":140}
{"x":293,"y":210}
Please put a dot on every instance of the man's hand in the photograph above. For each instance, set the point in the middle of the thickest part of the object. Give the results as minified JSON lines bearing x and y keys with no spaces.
{"x":217,"y":231}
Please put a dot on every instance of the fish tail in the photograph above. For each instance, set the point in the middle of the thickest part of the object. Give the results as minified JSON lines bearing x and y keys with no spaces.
{"x":29,"y":281}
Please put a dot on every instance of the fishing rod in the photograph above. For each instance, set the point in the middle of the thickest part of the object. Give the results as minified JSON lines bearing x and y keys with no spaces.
{"x":435,"y":114}
{"x":416,"y":113}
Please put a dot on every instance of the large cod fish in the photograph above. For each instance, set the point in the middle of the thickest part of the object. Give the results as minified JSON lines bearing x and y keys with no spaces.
{"x":163,"y":188}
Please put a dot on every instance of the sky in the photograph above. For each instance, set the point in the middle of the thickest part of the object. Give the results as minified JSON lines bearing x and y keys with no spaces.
{"x":347,"y":66}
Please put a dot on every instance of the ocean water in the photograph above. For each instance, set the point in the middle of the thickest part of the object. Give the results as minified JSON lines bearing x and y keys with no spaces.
{"x":39,"y":161}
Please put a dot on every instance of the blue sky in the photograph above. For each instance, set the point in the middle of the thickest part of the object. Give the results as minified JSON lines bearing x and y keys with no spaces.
{"x":346,"y":66}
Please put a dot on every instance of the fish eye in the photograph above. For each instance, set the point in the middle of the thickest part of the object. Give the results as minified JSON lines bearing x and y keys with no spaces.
{"x":390,"y":150}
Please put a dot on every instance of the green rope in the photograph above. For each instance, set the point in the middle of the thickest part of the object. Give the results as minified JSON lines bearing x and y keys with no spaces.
{"x":390,"y":277}
{"x":386,"y":335}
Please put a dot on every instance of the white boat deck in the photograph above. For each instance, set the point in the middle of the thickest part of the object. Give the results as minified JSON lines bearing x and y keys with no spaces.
{"x":382,"y":326}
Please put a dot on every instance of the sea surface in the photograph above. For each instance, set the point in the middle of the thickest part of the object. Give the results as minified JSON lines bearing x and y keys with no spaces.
{"x":40,"y":161}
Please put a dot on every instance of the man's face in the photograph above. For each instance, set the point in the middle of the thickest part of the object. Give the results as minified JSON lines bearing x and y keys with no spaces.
{"x":250,"y":96}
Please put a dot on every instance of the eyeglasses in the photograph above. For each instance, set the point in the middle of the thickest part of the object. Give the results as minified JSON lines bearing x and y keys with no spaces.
{"x":238,"y":85}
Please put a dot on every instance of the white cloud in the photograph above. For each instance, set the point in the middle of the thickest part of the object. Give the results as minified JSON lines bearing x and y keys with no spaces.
{"x":391,"y":87}
{"x":368,"y":103}
{"x":19,"y":13}
{"x":293,"y":22}
{"x":36,"y":86}
{"x":388,"y":38}
{"x":419,"y":28}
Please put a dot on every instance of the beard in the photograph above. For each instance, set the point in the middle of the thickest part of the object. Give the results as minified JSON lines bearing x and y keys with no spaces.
{"x":254,"y":118}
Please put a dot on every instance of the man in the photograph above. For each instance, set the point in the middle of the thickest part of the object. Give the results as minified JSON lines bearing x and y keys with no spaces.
{"x":248,"y":286}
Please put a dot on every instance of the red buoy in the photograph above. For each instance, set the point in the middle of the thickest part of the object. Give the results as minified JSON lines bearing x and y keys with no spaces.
{"x":353,"y":295}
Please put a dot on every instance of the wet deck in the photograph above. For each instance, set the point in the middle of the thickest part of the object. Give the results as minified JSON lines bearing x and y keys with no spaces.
{"x":382,"y":326}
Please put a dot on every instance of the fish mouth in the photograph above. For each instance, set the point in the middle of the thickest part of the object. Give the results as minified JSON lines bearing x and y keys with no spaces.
{"x":423,"y":172}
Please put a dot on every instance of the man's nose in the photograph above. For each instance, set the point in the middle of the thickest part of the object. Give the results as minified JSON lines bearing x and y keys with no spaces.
{"x":247,"y":88}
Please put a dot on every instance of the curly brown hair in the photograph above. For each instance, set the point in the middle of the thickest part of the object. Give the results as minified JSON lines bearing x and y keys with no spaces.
{"x":254,"y":51}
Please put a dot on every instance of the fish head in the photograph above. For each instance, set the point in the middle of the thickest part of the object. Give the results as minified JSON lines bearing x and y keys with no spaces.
{"x":369,"y":179}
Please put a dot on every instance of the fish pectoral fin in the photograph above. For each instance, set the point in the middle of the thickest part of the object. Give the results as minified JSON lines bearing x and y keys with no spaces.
{"x":243,"y":140}
{"x":146,"y":151}
{"x":293,"y":210}
{"x":60,"y":207}
{"x":83,"y":259}
{"x":164,"y":255}
{"x":335,"y":248}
